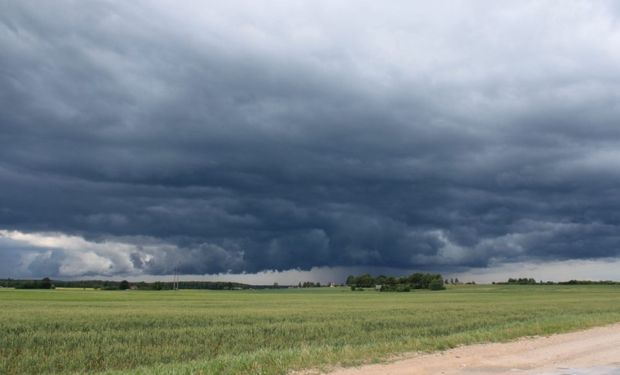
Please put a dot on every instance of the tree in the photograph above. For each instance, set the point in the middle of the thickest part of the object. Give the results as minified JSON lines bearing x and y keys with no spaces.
{"x":365,"y":281}
{"x":46,"y":283}
{"x":124,"y":285}
{"x":351,"y":280}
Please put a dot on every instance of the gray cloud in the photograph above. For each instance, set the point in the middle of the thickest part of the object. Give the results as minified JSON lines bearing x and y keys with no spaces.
{"x":215,"y":138}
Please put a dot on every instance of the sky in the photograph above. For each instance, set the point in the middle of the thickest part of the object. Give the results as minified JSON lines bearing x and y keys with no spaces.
{"x":306,"y":140}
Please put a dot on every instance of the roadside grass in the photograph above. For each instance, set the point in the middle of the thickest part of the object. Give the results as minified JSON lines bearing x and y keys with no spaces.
{"x":274,"y":331}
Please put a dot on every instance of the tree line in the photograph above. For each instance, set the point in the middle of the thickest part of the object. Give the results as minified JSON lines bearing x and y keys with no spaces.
{"x":384,"y":283}
{"x":47,"y":283}
{"x":309,"y":284}
{"x":44,"y":283}
{"x":531,"y":281}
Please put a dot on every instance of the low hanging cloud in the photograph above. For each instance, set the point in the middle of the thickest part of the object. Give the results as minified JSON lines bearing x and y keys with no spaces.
{"x":71,"y":256}
{"x":139,"y":139}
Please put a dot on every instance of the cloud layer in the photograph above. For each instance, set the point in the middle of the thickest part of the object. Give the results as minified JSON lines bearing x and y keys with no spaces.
{"x":140,"y":137}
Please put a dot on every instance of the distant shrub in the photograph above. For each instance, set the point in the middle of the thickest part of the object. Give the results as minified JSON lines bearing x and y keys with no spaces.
{"x":403,"y":288}
{"x":436,"y":284}
{"x":46,"y":283}
{"x":124,"y":285}
{"x":396,"y":288}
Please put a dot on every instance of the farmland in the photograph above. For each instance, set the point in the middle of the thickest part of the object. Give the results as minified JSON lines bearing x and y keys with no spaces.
{"x":274,"y":331}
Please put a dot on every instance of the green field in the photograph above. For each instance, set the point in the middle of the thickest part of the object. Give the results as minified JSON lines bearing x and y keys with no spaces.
{"x":274,"y":331}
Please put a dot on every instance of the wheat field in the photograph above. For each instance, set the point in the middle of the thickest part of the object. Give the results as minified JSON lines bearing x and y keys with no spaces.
{"x":274,"y":331}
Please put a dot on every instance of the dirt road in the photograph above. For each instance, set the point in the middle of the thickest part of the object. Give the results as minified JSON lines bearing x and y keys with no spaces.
{"x":592,"y":352}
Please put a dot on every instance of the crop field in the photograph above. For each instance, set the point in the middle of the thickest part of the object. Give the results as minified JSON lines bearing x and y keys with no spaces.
{"x":274,"y":331}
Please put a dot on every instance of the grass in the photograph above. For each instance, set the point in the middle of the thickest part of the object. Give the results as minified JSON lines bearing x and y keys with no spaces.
{"x":274,"y":331}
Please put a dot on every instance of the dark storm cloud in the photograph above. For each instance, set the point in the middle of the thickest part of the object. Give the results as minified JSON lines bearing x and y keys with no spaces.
{"x":215,"y":138}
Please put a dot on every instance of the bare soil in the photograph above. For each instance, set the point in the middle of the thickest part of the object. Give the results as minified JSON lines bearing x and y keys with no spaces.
{"x":594,"y":351}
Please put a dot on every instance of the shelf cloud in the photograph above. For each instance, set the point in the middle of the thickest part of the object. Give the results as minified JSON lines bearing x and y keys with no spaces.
{"x":140,"y":138}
